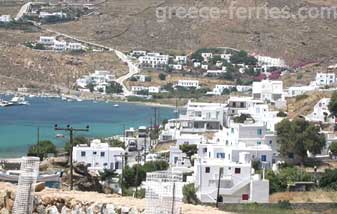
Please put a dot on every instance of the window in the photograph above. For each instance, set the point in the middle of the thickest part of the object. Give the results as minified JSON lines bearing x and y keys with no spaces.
{"x":258,"y":142}
{"x":102,"y":154}
{"x":94,"y":153}
{"x":82,"y":154}
{"x":259,"y":131}
{"x":264,"y":158}
{"x":270,"y":142}
{"x":220,"y":155}
{"x":204,"y":150}
{"x":116,"y":165}
{"x":175,"y":159}
{"x":237,"y":170}
{"x":207,"y":169}
{"x":245,"y":197}
{"x":105,"y":164}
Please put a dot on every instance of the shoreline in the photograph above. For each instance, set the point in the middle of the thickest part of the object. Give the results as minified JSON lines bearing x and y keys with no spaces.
{"x":85,"y":97}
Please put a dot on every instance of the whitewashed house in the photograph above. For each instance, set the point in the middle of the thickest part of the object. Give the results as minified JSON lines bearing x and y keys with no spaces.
{"x":74,"y":46}
{"x":215,"y":72}
{"x":243,"y":88}
{"x":204,"y":66}
{"x":47,"y":40}
{"x":138,"y":53}
{"x":5,"y":18}
{"x":178,"y":158}
{"x":178,"y":67}
{"x":294,"y":91}
{"x":83,"y":82}
{"x":189,"y":139}
{"x":238,"y":184}
{"x":226,"y":57}
{"x":181,"y":60}
{"x":188,"y":83}
{"x":268,"y":90}
{"x":207,"y":56}
{"x":60,"y":46}
{"x":267,"y":61}
{"x":154,"y":60}
{"x":199,"y":118}
{"x":139,"y":88}
{"x":321,"y":112}
{"x":44,"y":15}
{"x":99,"y":156}
{"x":154,"y":89}
{"x":325,"y":79}
{"x":196,"y":64}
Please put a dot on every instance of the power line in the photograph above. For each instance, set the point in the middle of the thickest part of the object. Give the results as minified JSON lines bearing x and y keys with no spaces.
{"x":71,"y":130}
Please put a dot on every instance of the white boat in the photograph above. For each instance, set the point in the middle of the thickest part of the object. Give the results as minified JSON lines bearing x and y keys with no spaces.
{"x":59,"y":135}
{"x":18,"y":101}
{"x":4,"y":103}
{"x":116,"y":105}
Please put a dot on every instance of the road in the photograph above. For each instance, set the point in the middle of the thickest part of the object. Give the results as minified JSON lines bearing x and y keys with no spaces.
{"x":24,"y":9}
{"x":133,"y":68}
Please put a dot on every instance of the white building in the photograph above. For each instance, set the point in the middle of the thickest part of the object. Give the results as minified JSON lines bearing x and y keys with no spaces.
{"x":177,"y":67}
{"x":138,"y":53}
{"x":74,"y":46}
{"x":198,"y":118}
{"x":47,"y":40}
{"x":178,"y":158}
{"x":294,"y":91}
{"x":207,"y":56}
{"x":5,"y":18}
{"x":270,"y":62}
{"x":43,"y":15}
{"x":196,"y":64}
{"x":138,"y":88}
{"x":226,"y":56}
{"x":60,"y":46}
{"x":204,"y":66}
{"x":237,"y":182}
{"x":325,"y":78}
{"x":99,"y":156}
{"x":154,"y":89}
{"x":154,"y":60}
{"x":268,"y":90}
{"x":188,"y":83}
{"x":243,"y":88}
{"x":321,"y":112}
{"x":181,"y":60}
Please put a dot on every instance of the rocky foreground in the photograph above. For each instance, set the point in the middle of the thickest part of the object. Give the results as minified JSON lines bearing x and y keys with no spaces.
{"x":57,"y":201}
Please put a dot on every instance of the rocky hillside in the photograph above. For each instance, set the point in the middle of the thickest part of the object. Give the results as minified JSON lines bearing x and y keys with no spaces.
{"x":134,"y":24}
{"x":54,"y":201}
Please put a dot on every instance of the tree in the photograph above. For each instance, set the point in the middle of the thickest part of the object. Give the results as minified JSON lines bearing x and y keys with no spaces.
{"x":117,"y":143}
{"x":76,"y":141}
{"x":91,"y":87}
{"x":189,"y":149}
{"x":162,"y":76}
{"x":333,"y":104}
{"x":42,"y":149}
{"x":281,"y":114}
{"x":329,"y":179}
{"x":189,"y":194}
{"x":107,"y":174}
{"x":333,"y":148}
{"x":299,"y":136}
{"x":114,"y":88}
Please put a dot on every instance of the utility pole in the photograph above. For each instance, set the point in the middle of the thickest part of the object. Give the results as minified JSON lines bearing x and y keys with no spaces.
{"x":71,"y":131}
{"x":123,"y":163}
{"x":38,"y":135}
{"x":138,"y":157}
{"x":173,"y":196}
{"x":218,"y":192}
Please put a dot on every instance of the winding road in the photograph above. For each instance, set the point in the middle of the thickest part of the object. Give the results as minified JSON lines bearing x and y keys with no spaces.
{"x":133,"y":68}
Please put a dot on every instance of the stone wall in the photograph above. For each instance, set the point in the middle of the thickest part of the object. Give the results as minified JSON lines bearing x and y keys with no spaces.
{"x":55,"y":205}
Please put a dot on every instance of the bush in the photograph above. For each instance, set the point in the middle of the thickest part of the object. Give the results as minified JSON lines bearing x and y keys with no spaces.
{"x":284,"y":204}
{"x":42,"y":149}
{"x":189,"y":194}
{"x":76,"y":141}
{"x":333,"y":148}
{"x":242,"y":118}
{"x":281,"y":114}
{"x":329,"y":179}
{"x":301,"y":97}
{"x":162,"y":76}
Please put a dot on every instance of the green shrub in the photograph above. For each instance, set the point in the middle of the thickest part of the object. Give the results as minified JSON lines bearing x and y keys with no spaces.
{"x":189,"y":194}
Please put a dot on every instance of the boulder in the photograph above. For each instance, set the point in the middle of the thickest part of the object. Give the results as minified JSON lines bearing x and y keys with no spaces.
{"x":39,"y":186}
{"x":4,"y":211}
{"x":52,"y":210}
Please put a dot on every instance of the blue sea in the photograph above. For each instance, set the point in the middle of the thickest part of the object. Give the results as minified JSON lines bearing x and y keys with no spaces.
{"x":19,"y":124}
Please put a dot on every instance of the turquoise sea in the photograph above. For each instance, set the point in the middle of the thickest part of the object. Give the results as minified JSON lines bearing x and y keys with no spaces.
{"x":19,"y":124}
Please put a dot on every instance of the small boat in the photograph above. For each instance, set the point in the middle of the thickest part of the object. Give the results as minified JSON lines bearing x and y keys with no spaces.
{"x":4,"y":103}
{"x":116,"y":105}
{"x":59,"y":136}
{"x":18,"y":101}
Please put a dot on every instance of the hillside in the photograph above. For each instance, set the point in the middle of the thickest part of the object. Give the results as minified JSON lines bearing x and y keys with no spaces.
{"x":133,"y":24}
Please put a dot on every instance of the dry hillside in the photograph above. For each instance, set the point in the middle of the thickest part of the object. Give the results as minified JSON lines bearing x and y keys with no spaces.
{"x":133,"y":24}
